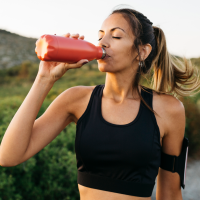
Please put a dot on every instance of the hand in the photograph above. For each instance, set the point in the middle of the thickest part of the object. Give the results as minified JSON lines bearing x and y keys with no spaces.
{"x":53,"y":71}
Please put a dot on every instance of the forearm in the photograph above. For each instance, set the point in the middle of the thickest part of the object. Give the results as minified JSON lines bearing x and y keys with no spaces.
{"x":17,"y":136}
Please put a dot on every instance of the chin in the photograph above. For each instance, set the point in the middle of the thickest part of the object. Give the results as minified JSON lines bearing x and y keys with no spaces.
{"x":105,"y":68}
{"x":101,"y":68}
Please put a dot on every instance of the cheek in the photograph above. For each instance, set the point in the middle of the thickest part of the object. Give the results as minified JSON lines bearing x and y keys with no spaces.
{"x":124,"y":55}
{"x":124,"y":50}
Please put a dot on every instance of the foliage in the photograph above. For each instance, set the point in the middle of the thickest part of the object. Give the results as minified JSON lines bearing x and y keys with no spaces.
{"x":196,"y":61}
{"x":50,"y":174}
{"x":192,"y":129}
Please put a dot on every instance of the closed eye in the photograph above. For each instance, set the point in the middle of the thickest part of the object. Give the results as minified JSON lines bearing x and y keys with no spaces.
{"x":117,"y":37}
{"x":113,"y":37}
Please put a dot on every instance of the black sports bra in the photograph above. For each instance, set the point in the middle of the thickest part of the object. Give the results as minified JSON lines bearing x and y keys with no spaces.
{"x":123,"y":158}
{"x":118,"y":158}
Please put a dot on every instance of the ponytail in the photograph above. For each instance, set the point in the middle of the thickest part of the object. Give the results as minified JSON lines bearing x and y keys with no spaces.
{"x":170,"y":73}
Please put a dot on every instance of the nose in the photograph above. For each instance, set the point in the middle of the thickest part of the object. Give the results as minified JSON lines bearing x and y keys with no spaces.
{"x":104,"y":43}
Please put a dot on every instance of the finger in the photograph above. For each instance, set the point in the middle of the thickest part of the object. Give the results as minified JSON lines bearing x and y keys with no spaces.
{"x":79,"y":64}
{"x":82,"y":37}
{"x":66,"y":35}
{"x":75,"y":35}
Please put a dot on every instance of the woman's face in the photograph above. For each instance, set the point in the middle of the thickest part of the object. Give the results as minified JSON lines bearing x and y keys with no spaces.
{"x":117,"y":39}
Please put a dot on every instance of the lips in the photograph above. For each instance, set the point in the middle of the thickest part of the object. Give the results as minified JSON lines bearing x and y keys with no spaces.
{"x":107,"y":56}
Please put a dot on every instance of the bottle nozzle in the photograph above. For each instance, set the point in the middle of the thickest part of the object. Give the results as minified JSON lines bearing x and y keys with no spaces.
{"x":104,"y":53}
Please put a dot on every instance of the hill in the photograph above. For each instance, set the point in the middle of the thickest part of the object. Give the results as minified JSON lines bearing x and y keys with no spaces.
{"x":14,"y":49}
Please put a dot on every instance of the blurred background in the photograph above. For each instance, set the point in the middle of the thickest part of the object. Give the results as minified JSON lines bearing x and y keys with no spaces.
{"x":52,"y":174}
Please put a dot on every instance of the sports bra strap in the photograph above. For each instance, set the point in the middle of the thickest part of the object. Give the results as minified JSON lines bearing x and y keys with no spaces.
{"x":148,"y":97}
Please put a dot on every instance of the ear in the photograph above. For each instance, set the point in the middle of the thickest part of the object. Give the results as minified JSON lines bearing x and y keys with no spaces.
{"x":145,"y":50}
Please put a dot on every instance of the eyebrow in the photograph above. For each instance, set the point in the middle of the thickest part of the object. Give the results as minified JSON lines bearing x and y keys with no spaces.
{"x":113,"y":29}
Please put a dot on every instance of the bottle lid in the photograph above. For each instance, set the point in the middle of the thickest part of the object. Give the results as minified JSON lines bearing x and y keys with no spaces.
{"x":104,"y":53}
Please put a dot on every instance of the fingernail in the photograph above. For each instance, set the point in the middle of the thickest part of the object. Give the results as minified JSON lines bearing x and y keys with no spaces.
{"x":84,"y":63}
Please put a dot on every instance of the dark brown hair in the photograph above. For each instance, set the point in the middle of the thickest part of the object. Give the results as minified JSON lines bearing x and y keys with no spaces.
{"x":170,"y":74}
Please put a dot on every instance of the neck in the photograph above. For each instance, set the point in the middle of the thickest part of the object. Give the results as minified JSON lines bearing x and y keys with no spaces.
{"x":120,"y":88}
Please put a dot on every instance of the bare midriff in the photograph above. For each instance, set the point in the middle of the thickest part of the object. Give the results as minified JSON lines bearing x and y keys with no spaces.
{"x":95,"y":194}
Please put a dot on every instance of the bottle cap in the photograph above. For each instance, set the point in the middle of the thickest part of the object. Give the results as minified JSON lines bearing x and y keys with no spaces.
{"x":104,"y":53}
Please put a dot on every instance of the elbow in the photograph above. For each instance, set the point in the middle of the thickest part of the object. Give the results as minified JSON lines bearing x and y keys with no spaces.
{"x":4,"y":163}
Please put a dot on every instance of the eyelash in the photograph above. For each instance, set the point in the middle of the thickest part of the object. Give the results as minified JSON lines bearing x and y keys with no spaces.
{"x":113,"y":37}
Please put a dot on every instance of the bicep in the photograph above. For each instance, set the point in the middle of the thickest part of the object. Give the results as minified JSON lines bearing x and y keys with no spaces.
{"x":168,"y":183}
{"x":56,"y":117}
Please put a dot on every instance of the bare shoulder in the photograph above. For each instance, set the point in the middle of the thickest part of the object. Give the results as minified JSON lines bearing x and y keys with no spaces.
{"x":170,"y":109}
{"x":78,"y":101}
{"x":76,"y":93}
{"x":170,"y":104}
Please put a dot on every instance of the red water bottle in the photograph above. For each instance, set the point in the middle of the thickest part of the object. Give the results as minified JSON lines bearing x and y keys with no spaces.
{"x":69,"y":50}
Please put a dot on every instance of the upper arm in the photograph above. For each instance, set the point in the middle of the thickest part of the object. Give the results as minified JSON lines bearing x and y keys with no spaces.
{"x":56,"y":117}
{"x":168,"y":183}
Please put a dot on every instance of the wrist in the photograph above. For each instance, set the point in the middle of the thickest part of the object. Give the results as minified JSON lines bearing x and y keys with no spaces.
{"x":44,"y":81}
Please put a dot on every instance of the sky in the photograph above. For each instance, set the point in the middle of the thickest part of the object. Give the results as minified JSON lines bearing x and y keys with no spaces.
{"x":179,"y":19}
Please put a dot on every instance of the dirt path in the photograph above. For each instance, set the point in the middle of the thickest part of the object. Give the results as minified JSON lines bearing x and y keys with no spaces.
{"x":192,"y":184}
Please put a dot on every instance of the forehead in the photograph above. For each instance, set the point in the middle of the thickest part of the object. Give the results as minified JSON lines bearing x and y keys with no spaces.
{"x":116,"y":20}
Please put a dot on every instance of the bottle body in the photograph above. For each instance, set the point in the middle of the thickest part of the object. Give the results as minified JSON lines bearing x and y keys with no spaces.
{"x":63,"y":49}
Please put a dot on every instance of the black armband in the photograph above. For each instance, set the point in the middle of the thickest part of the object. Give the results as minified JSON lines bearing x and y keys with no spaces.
{"x":176,"y":163}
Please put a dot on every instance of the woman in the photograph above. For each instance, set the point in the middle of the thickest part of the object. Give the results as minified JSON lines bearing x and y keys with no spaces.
{"x":121,"y":126}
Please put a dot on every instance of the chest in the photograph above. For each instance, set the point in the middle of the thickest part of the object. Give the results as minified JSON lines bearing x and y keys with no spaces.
{"x":102,"y":144}
{"x":127,"y":112}
{"x":119,"y":114}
